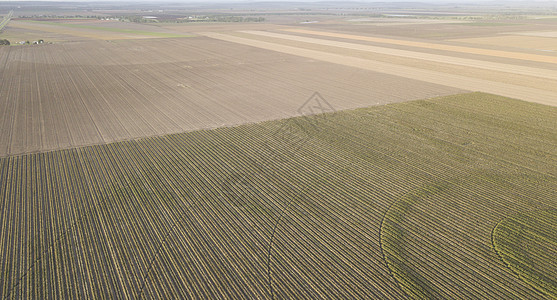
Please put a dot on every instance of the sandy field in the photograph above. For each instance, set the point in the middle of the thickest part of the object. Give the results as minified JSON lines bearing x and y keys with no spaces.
{"x":538,"y":43}
{"x":456,"y":81}
{"x":425,"y":45}
{"x":537,"y":72}
{"x":467,"y":71}
{"x":550,"y":34}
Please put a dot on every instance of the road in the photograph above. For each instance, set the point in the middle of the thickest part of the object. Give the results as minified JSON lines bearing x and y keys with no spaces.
{"x":6,"y":20}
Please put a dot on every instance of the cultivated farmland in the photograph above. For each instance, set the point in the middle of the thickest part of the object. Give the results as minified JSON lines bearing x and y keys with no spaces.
{"x":495,"y":85}
{"x":526,"y":243}
{"x":82,"y":93}
{"x":94,"y":30}
{"x":353,"y":151}
{"x":391,"y":201}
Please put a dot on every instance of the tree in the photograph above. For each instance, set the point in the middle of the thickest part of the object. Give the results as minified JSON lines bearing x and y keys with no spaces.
{"x":4,"y":42}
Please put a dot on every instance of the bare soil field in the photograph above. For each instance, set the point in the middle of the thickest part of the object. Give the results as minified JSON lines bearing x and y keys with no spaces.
{"x":457,"y":81}
{"x":130,"y":85}
{"x":436,"y":32}
{"x":16,"y":34}
{"x":401,"y":41}
{"x":463,"y":70}
{"x":189,"y":28}
{"x":81,"y":93}
{"x":435,"y":46}
{"x":402,"y":21}
{"x":516,"y":41}
{"x":73,"y":30}
{"x":542,"y":33}
{"x":445,"y":59}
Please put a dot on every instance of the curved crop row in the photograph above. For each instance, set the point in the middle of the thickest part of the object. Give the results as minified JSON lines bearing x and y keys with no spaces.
{"x":527,"y":243}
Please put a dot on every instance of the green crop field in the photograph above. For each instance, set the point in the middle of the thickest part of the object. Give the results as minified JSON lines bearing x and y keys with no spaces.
{"x":428,"y":198}
{"x":528,"y":244}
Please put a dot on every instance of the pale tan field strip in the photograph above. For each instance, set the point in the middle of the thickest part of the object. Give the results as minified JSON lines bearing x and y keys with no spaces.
{"x":471,"y":50}
{"x":93,"y":92}
{"x":482,"y":64}
{"x":401,"y":21}
{"x":550,"y":34}
{"x":490,"y":75}
{"x":517,"y":41}
{"x":456,"y":81}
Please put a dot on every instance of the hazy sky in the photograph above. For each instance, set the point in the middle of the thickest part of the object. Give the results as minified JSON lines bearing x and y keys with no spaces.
{"x":301,"y":1}
{"x":248,"y":1}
